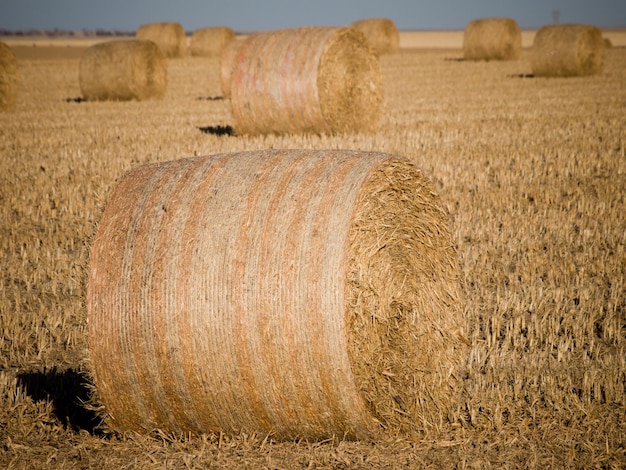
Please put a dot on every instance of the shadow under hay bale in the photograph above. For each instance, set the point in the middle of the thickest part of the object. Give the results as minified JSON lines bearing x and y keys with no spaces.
{"x":492,"y":39}
{"x":8,"y":78}
{"x":302,"y":293}
{"x":217,"y":130}
{"x":210,"y":42}
{"x":306,"y":80}
{"x":68,"y":390}
{"x":382,"y":34}
{"x":123,"y":70}
{"x":169,"y":36}
{"x":567,"y":50}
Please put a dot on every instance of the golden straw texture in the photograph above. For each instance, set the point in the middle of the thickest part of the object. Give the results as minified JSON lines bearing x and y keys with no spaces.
{"x":567,"y":50}
{"x":8,"y":77}
{"x":382,"y":34}
{"x":169,"y":36}
{"x":303,"y":293}
{"x":123,"y":70}
{"x":209,"y":42}
{"x":306,"y":80}
{"x":492,"y":39}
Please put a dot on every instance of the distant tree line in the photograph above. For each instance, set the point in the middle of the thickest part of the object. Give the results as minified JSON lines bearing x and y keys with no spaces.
{"x":64,"y":32}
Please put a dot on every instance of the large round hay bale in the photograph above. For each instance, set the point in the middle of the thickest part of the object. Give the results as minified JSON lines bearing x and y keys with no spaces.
{"x":8,"y":77}
{"x":169,"y":36}
{"x":567,"y":50}
{"x":229,"y":55}
{"x":306,"y":80}
{"x":123,"y":70}
{"x":303,"y":293}
{"x":492,"y":39}
{"x":210,"y":42}
{"x":382,"y":34}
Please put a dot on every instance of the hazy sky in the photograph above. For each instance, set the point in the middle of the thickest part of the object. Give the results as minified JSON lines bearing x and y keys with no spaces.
{"x":246,"y":15}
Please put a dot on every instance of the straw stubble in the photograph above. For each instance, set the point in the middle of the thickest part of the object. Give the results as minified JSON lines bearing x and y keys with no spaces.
{"x":301,"y":293}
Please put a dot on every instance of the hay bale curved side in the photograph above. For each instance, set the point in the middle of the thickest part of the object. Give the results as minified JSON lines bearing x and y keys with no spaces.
{"x":227,"y":62}
{"x":123,"y":70}
{"x":210,"y":42}
{"x":492,"y":39}
{"x":169,"y":36}
{"x":567,"y":50}
{"x":9,"y":80}
{"x":382,"y":34}
{"x":306,"y":80}
{"x":250,"y":292}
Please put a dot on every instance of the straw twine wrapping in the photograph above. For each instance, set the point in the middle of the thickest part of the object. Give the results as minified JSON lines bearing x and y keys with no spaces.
{"x":382,"y":34}
{"x":492,"y":39}
{"x":8,"y":77}
{"x":306,"y":80}
{"x":210,"y":42}
{"x":567,"y":50}
{"x":169,"y":36}
{"x":123,"y":70}
{"x":300,"y":292}
{"x":229,"y":55}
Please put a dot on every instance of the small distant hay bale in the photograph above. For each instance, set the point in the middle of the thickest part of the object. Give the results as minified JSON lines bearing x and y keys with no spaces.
{"x":169,"y":36}
{"x":8,"y":78}
{"x":303,"y":293}
{"x":123,"y":70}
{"x":210,"y":42}
{"x":607,"y":43}
{"x":306,"y":80}
{"x":382,"y":34}
{"x":492,"y":39}
{"x":229,"y":55}
{"x":567,"y":50}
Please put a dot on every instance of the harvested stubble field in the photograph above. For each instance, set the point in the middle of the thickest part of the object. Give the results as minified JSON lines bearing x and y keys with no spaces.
{"x":532,"y":171}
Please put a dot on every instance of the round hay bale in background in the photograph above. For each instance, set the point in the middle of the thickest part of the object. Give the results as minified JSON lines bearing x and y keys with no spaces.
{"x":303,"y":293}
{"x":607,"y":43}
{"x":169,"y":36}
{"x":210,"y":42}
{"x":123,"y":70}
{"x":567,"y":50}
{"x":314,"y":79}
{"x":492,"y":39}
{"x":229,"y":55}
{"x":8,"y":77}
{"x":382,"y":34}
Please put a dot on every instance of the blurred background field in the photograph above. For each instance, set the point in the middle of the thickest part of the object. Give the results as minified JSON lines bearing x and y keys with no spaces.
{"x":532,"y":171}
{"x":26,"y":46}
